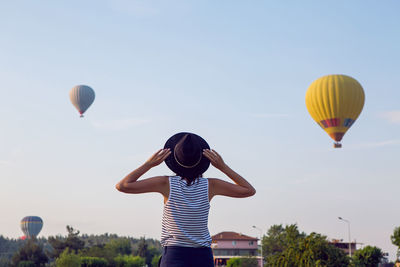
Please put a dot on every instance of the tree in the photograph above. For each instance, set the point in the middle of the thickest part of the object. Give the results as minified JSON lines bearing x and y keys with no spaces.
{"x":73,"y":242}
{"x":30,"y":252}
{"x":8,"y":247}
{"x":120,"y":246}
{"x":395,"y":238}
{"x":151,"y":253}
{"x":312,"y":250}
{"x":278,"y":239}
{"x":142,"y":249}
{"x":368,"y":257}
{"x":147,"y":252}
{"x":68,"y":259}
{"x":273,"y":242}
{"x":155,"y":260}
{"x":289,"y":247}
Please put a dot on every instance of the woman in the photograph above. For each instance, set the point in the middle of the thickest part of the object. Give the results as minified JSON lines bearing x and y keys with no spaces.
{"x":185,"y":237}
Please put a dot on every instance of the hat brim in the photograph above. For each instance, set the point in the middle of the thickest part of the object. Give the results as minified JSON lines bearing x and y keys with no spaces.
{"x":174,"y":166}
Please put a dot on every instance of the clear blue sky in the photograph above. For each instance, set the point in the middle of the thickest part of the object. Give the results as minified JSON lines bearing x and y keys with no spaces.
{"x":234,"y":72}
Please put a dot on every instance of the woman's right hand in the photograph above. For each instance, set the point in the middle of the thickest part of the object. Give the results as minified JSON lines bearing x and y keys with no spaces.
{"x":158,"y":157}
{"x":215,"y":158}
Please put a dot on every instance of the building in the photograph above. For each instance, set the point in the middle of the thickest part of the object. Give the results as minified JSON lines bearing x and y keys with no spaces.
{"x":344,"y":246}
{"x":226,"y":245}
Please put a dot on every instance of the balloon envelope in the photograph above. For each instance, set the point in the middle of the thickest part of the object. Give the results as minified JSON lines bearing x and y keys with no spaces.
{"x":31,"y":226}
{"x":335,"y":102}
{"x":81,"y":96}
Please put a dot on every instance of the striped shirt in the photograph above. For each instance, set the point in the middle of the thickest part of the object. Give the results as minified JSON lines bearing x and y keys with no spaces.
{"x":185,"y":216}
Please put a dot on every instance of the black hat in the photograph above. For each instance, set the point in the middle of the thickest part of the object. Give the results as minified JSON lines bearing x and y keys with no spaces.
{"x":186,"y":158}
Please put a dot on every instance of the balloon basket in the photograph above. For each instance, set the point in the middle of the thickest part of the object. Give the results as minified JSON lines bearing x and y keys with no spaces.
{"x":337,"y":145}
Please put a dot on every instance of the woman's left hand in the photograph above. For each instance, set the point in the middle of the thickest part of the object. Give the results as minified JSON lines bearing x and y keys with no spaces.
{"x":158,"y":157}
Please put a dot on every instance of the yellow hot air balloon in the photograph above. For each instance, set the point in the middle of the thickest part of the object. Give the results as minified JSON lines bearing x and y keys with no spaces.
{"x":335,"y":102}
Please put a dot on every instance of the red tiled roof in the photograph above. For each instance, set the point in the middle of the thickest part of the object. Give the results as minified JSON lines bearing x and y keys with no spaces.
{"x":231,"y":236}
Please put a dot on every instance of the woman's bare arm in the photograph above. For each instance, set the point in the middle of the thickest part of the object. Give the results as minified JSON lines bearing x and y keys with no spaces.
{"x":240,"y":188}
{"x":160,"y":184}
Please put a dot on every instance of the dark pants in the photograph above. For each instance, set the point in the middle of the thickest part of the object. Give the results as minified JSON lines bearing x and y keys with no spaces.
{"x":187,"y":257}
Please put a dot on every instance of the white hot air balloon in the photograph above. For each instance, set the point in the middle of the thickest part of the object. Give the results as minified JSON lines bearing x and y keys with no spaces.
{"x":31,"y":226}
{"x":81,"y":96}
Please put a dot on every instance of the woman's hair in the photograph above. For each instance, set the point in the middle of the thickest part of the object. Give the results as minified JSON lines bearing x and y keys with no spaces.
{"x":190,"y":180}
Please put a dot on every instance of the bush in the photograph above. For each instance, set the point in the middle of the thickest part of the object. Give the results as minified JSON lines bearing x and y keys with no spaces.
{"x":234,"y":262}
{"x":242,"y":262}
{"x":99,"y":251}
{"x":129,"y":261}
{"x":249,"y":262}
{"x":93,"y":262}
{"x":68,"y":259}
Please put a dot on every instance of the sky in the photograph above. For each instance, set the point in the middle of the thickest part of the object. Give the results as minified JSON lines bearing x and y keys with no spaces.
{"x":234,"y":72}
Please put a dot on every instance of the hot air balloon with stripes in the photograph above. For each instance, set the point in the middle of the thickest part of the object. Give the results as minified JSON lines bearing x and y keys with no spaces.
{"x":335,"y":102}
{"x":81,"y":96}
{"x":31,"y":226}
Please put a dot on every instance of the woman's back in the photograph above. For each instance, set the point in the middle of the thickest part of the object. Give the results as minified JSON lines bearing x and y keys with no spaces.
{"x":185,"y":217}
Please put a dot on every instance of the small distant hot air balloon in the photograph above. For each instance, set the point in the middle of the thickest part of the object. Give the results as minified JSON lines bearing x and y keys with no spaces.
{"x":335,"y":102}
{"x":31,"y":226}
{"x":81,"y":96}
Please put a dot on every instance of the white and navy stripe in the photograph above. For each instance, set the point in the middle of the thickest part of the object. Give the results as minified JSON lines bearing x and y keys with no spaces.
{"x":185,"y":217}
